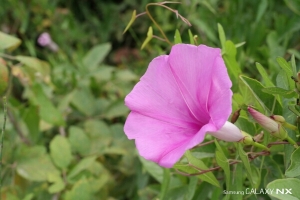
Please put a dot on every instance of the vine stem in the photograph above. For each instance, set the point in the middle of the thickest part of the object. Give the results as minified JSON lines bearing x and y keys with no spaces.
{"x":155,"y":23}
{"x":280,"y":142}
{"x":202,"y":171}
{"x":290,"y":126}
{"x":1,"y":139}
{"x":7,"y":56}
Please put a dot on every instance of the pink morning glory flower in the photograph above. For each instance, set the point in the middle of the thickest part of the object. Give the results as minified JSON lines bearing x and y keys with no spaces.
{"x":180,"y":98}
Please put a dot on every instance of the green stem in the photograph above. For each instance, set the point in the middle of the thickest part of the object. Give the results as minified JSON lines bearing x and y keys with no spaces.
{"x":260,"y":146}
{"x":3,"y":55}
{"x":1,"y":139}
{"x":155,"y":23}
{"x":291,"y":141}
{"x":290,"y":126}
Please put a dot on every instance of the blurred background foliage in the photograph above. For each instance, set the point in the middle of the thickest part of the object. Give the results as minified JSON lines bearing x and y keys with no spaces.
{"x":64,"y":136}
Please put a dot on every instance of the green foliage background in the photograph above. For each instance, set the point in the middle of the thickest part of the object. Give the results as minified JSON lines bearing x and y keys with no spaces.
{"x":64,"y":137}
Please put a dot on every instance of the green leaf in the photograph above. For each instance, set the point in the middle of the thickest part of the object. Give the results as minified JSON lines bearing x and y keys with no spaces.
{"x":96,"y":55}
{"x":283,"y":81}
{"x":238,"y":180}
{"x":288,"y":71}
{"x":149,"y":37}
{"x":81,"y":190}
{"x":177,"y":37}
{"x":282,"y":92}
{"x":82,"y":165}
{"x":222,"y":36}
{"x":57,"y":184}
{"x":34,"y":164}
{"x":97,"y":128}
{"x":294,"y":110}
{"x":80,"y":142}
{"x":191,"y":37}
{"x":37,"y":169}
{"x":191,"y":188}
{"x":283,"y":187}
{"x":120,"y":143}
{"x":103,"y":74}
{"x":285,"y":66}
{"x":165,"y":184}
{"x":177,"y":193}
{"x":223,"y":163}
{"x":294,"y":5}
{"x":230,"y":60}
{"x":60,"y":151}
{"x":208,"y":5}
{"x":294,"y":53}
{"x":84,"y":101}
{"x":273,"y":170}
{"x":102,"y":176}
{"x":208,"y":30}
{"x":264,"y":99}
{"x":8,"y":42}
{"x":133,"y":17}
{"x":217,"y":194}
{"x":246,"y":163}
{"x":209,"y":176}
{"x":239,"y":44}
{"x":245,"y":125}
{"x":126,"y":75}
{"x":261,"y":10}
{"x":31,"y":118}
{"x":256,"y":177}
{"x":117,"y":109}
{"x":264,"y":75}
{"x":154,"y":170}
{"x":294,"y":168}
{"x":40,"y":67}
{"x":28,"y":197}
{"x":48,"y":112}
{"x":294,"y":67}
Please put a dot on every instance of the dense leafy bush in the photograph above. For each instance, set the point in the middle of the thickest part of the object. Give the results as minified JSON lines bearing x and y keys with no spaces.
{"x":64,"y":135}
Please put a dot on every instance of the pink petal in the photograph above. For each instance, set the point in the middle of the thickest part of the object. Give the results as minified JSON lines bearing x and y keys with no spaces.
{"x":157,"y":96}
{"x":162,"y":142}
{"x":220,"y":95}
{"x":202,"y":78}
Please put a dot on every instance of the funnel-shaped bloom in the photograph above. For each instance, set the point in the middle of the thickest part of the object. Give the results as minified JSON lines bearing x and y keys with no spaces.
{"x":269,"y":124}
{"x":180,"y":98}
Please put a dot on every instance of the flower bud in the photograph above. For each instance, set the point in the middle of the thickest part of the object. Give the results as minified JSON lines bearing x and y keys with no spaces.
{"x":247,"y":139}
{"x":45,"y":41}
{"x":235,"y":116}
{"x":229,"y":133}
{"x":278,"y":118}
{"x":269,"y":124}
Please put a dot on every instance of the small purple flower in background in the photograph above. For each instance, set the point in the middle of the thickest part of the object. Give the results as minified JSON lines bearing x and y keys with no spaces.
{"x":45,"y":41}
{"x":180,"y":98}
